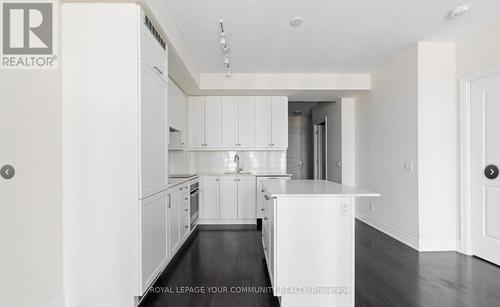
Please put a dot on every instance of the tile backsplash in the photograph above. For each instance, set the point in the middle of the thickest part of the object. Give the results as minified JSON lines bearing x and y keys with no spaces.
{"x":259,"y":162}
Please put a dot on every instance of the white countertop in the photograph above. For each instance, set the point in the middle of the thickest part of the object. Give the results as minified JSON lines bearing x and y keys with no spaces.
{"x":243,"y":174}
{"x":172,"y":182}
{"x":305,"y":188}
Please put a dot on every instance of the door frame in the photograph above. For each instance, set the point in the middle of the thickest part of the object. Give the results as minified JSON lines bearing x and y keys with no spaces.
{"x":315,"y":148}
{"x":302,"y":148}
{"x":465,"y":182}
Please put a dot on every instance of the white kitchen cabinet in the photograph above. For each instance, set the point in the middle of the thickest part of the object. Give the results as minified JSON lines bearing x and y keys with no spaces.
{"x":213,"y":122}
{"x":263,"y":121}
{"x":210,"y":197}
{"x":271,"y":122}
{"x":154,"y":132}
{"x":246,"y":197}
{"x":196,"y":121}
{"x":279,"y":127}
{"x":260,"y":191}
{"x":177,"y":112}
{"x":243,"y":122}
{"x":114,"y":99}
{"x":246,"y":122}
{"x":173,"y":214}
{"x":228,"y":197}
{"x":153,"y":237}
{"x":229,"y":116}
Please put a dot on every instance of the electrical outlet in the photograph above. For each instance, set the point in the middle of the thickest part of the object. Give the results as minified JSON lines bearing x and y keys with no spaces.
{"x":344,"y":209}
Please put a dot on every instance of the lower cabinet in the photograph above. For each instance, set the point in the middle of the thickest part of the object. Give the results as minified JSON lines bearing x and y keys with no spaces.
{"x":173,"y":221}
{"x":228,"y":198}
{"x":153,"y":237}
{"x":261,"y":192}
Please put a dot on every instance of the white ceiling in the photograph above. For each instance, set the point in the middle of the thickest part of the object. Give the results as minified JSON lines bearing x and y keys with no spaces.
{"x":341,"y":36}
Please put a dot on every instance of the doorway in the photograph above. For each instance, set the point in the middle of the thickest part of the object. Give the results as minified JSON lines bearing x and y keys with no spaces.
{"x":480,"y":161}
{"x":300,"y":140}
{"x":295,"y":156}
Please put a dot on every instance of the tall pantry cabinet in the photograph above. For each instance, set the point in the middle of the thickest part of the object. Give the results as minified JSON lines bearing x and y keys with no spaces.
{"x":115,"y":155}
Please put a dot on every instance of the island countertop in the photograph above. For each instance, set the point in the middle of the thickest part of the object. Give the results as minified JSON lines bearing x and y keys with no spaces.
{"x":318,"y":188}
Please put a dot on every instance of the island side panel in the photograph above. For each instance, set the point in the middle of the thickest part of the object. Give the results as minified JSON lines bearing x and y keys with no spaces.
{"x":314,"y":250}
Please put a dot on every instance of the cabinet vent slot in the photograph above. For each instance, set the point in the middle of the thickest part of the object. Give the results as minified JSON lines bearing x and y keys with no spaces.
{"x":155,"y":33}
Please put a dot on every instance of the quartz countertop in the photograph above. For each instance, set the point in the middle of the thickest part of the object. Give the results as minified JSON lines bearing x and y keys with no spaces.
{"x":244,"y":173}
{"x":172,"y":182}
{"x":307,"y":188}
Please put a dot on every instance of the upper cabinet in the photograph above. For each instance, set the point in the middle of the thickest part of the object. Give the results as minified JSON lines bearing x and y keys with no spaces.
{"x":271,"y":122}
{"x":238,"y":122}
{"x":204,"y":120}
{"x":176,"y":115}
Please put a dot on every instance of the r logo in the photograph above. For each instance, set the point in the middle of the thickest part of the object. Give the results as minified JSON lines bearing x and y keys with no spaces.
{"x":27,"y":28}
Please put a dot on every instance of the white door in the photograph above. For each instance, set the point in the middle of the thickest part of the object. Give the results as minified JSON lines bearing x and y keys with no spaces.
{"x":153,"y":237}
{"x":485,"y":161}
{"x":212,"y":122}
{"x":229,"y":107}
{"x":210,"y":202}
{"x":246,"y":197}
{"x":153,"y":133}
{"x":279,"y":121}
{"x":246,"y":121}
{"x":295,"y":155}
{"x":173,"y":222}
{"x":228,"y":197}
{"x":263,"y":118}
{"x":196,"y":121}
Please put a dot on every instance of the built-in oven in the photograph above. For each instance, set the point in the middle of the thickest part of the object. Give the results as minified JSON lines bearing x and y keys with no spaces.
{"x":195,"y":203}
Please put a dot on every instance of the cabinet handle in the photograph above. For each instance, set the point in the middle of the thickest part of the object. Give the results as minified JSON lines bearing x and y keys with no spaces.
{"x":262,"y":190}
{"x":186,"y":198}
{"x":186,"y":226}
{"x":265,"y":219}
{"x":158,"y":70}
{"x":169,"y":204}
{"x":262,"y":209}
{"x":266,"y":197}
{"x":186,"y":209}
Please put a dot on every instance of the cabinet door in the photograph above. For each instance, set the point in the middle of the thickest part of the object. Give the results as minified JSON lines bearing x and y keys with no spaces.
{"x":246,"y":121}
{"x":182,"y":117}
{"x":153,"y":133}
{"x":279,"y":121}
{"x":153,"y":237}
{"x":173,"y":222}
{"x":228,"y":197}
{"x":246,"y":197}
{"x":196,"y":121}
{"x":229,"y":117}
{"x":210,"y":198}
{"x":212,"y":122}
{"x":263,"y":121}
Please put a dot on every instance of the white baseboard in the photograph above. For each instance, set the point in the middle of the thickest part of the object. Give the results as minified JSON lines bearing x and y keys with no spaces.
{"x":57,"y":302}
{"x":227,"y":221}
{"x":397,"y":234}
{"x":411,"y":241}
{"x":438,"y":245}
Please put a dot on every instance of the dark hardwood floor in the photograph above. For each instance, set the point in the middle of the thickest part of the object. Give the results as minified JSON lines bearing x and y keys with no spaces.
{"x":388,"y":273}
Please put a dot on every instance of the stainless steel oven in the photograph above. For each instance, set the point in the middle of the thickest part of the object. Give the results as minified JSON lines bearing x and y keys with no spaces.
{"x":195,"y":203}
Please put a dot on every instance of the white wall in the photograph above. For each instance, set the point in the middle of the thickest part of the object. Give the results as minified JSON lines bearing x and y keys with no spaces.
{"x":348,"y":141}
{"x":478,"y":49}
{"x":30,"y":203}
{"x":437,"y":147}
{"x":333,"y":113}
{"x":386,"y":138}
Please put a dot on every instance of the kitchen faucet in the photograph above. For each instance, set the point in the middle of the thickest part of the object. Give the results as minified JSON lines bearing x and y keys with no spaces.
{"x":237,"y":161}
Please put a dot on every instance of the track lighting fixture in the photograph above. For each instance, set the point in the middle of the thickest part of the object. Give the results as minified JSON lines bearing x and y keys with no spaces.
{"x":225,"y":48}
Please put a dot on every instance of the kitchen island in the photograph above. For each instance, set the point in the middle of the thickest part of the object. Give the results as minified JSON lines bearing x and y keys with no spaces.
{"x":308,"y":241}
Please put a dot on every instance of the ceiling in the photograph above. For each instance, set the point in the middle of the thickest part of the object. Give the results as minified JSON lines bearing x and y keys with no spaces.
{"x":341,"y":36}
